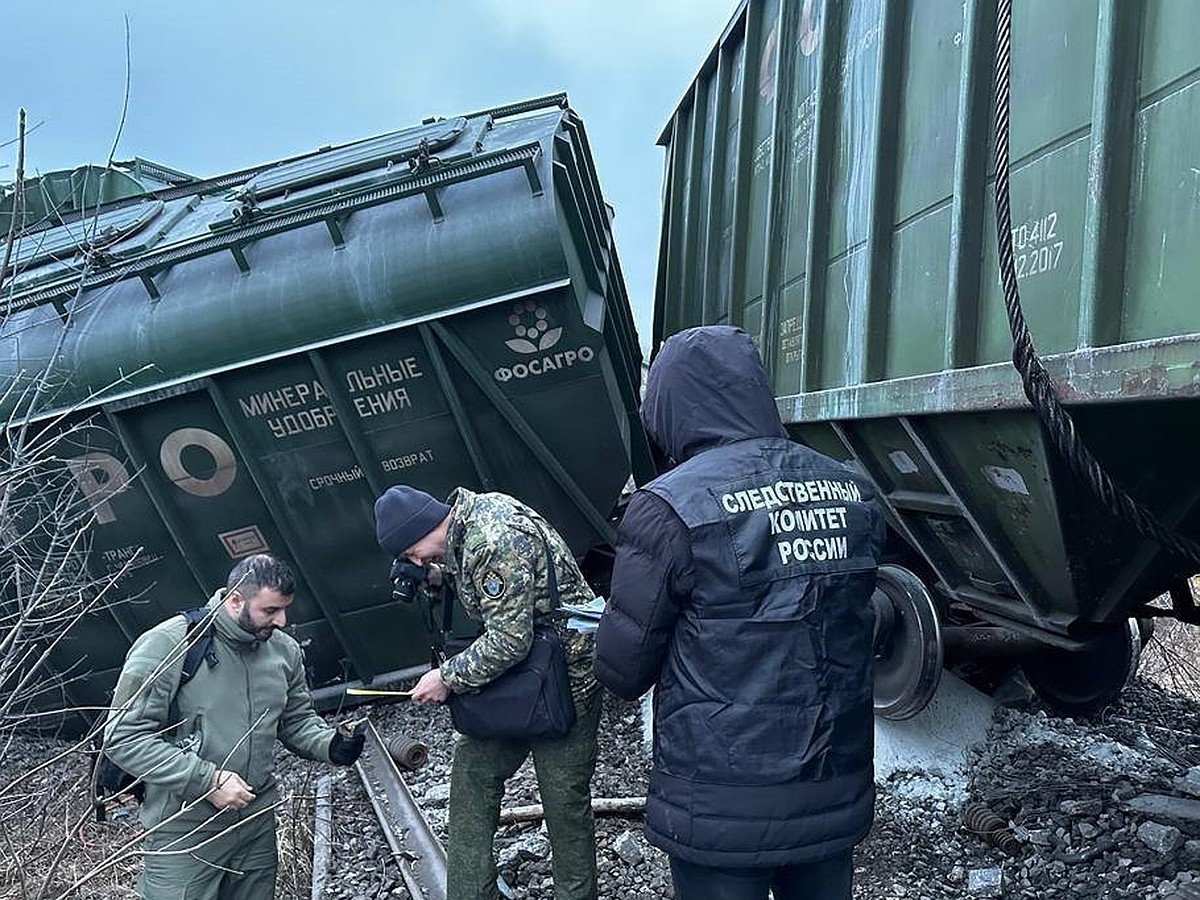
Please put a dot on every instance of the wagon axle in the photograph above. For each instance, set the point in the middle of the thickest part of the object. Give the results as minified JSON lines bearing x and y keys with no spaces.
{"x":914,"y":643}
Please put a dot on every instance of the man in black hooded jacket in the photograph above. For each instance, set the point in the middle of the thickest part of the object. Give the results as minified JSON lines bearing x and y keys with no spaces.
{"x":741,"y":590}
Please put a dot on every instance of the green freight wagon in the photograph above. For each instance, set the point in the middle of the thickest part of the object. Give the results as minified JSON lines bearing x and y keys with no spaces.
{"x":242,"y":363}
{"x":829,"y":188}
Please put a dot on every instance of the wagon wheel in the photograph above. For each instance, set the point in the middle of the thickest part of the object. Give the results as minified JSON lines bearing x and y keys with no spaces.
{"x":908,"y":644}
{"x":1083,"y":682}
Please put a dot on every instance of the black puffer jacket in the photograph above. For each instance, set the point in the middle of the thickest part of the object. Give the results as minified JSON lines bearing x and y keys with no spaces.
{"x":742,"y":589}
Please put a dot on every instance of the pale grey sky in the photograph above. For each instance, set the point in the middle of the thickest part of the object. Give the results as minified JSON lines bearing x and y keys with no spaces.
{"x":217,"y":85}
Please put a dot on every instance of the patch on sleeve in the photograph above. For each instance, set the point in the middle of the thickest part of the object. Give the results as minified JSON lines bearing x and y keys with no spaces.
{"x":492,"y":584}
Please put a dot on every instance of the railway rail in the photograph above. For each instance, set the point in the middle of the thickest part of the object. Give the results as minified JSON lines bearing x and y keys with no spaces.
{"x":415,"y":847}
{"x":418,"y":853}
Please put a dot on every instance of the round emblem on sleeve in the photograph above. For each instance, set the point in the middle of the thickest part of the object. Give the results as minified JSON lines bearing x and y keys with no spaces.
{"x":492,"y":584}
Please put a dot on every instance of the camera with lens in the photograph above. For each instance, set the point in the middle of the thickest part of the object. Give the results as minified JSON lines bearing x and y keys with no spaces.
{"x":406,"y":578}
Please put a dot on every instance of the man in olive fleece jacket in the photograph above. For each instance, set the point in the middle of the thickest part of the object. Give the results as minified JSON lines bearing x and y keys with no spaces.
{"x":210,"y":783}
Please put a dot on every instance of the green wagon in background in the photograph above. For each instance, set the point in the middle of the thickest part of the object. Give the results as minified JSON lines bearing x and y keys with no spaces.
{"x":829,"y":187}
{"x":243,"y":363}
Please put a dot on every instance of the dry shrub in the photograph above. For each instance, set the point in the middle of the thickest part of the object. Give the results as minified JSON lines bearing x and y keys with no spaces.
{"x":51,"y":842}
{"x":294,"y":839}
{"x":1171,"y":658}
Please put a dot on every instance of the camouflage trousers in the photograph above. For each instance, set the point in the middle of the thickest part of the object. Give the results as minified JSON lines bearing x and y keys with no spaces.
{"x":564,"y":769}
{"x":237,"y":864}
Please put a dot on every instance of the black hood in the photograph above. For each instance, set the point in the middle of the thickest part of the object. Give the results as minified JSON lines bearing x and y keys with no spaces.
{"x":707,"y":387}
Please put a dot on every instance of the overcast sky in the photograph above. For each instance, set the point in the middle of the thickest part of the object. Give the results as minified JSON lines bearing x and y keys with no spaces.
{"x":217,"y":85}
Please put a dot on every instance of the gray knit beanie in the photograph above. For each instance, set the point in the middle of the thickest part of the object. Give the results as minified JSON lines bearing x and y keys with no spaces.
{"x":404,"y":515}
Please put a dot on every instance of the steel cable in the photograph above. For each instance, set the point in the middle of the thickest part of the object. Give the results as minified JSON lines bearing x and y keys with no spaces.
{"x":1039,"y":387}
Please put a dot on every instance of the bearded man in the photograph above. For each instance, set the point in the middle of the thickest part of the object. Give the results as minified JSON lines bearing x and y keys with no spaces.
{"x":206,"y":750}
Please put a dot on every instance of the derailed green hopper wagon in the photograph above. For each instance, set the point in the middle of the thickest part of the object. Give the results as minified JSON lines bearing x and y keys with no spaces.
{"x":830,"y":189}
{"x":250,"y":359}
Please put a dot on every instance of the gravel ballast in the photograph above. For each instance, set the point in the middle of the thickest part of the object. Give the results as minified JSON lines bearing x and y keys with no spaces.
{"x":1101,"y":808}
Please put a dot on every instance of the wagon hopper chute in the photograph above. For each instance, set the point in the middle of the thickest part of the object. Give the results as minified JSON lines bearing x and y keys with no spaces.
{"x":246,"y":361}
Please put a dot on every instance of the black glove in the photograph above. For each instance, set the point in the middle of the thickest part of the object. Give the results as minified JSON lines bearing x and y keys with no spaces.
{"x":345,"y":750}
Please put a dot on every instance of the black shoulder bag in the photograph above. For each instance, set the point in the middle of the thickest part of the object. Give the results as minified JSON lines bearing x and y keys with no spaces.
{"x":531,"y":699}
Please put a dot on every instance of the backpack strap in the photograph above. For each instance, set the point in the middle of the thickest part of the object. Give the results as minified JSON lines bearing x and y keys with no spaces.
{"x":447,"y":613}
{"x":200,"y":649}
{"x":107,"y":777}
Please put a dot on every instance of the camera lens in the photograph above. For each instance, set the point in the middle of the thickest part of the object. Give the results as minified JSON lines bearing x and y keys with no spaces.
{"x":404,"y":590}
{"x":406,"y":578}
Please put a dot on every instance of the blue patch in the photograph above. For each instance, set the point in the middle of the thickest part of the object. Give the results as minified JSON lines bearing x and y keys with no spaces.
{"x":492,"y":585}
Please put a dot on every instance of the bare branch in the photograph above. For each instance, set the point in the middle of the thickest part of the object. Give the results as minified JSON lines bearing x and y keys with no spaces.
{"x":18,"y":197}
{"x":30,"y":130}
{"x":125,"y":101}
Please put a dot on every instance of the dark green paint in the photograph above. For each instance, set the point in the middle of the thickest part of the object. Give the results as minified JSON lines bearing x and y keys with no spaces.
{"x":322,"y":328}
{"x":868,"y":218}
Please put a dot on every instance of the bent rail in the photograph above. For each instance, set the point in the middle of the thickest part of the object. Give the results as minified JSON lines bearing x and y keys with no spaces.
{"x":416,"y":849}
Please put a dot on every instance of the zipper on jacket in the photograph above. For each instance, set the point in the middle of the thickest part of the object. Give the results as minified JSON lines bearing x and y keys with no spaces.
{"x":249,"y":716}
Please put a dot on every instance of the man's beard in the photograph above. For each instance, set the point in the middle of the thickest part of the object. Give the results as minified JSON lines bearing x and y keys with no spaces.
{"x":247,"y":625}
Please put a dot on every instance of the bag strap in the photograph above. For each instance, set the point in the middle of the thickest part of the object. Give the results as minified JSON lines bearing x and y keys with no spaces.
{"x":200,"y":649}
{"x":447,"y":611}
{"x":550,"y":573}
{"x":197,"y":652}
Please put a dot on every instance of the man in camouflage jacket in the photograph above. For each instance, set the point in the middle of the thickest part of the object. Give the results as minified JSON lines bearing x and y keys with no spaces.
{"x":494,"y":552}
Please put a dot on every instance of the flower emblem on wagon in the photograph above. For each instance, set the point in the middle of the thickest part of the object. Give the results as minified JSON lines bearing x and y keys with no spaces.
{"x":531,"y":325}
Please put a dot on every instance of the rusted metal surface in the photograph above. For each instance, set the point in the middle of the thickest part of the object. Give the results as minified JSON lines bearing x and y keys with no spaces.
{"x":408,"y":753}
{"x":322,"y":831}
{"x":981,"y":820}
{"x":417,"y":851}
{"x":987,"y":641}
{"x":1160,"y":369}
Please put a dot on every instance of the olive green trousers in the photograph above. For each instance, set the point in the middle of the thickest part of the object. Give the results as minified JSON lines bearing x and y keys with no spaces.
{"x":237,"y":864}
{"x":564,"y":769}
